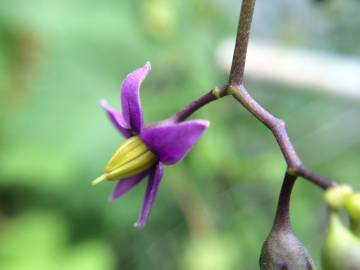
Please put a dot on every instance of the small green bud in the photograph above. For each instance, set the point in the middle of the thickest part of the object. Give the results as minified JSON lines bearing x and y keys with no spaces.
{"x":337,"y":195}
{"x":131,"y":158}
{"x":352,"y":206}
{"x":341,"y":250}
{"x":159,"y":17}
{"x":283,"y":251}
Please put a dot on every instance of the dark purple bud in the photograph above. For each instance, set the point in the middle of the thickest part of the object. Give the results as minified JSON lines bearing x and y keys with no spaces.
{"x":282,"y":250}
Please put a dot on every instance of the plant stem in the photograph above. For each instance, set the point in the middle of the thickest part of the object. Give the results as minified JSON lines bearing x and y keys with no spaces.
{"x":238,"y":91}
{"x":278,"y":128}
{"x":282,"y":217}
{"x":213,"y":94}
{"x":315,"y":178}
{"x":242,"y":39}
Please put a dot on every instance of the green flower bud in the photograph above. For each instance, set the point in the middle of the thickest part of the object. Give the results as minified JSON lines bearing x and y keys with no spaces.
{"x":341,"y":250}
{"x":131,"y":158}
{"x":283,"y":251}
{"x":337,"y":195}
{"x":352,"y":206}
{"x":159,"y":17}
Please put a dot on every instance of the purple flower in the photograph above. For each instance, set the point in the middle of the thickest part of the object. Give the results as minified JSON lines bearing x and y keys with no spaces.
{"x":146,"y":148}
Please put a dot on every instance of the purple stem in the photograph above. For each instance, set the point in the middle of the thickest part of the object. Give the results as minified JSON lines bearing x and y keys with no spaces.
{"x":278,"y":128}
{"x":242,"y":40}
{"x":282,"y":216}
{"x":188,"y":110}
{"x":238,"y":91}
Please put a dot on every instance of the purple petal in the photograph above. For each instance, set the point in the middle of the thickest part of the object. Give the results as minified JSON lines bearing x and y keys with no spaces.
{"x":172,"y":142}
{"x":151,"y":190}
{"x":117,"y":119}
{"x":130,"y":98}
{"x":125,"y":185}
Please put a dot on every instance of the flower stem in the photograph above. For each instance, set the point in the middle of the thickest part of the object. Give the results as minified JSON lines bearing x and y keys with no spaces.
{"x":278,"y":128}
{"x":241,"y":45}
{"x":236,"y":88}
{"x":214,"y":94}
{"x":282,"y":216}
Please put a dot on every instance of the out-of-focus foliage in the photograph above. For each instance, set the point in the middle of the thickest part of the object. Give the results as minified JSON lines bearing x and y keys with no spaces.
{"x":37,"y":241}
{"x":58,"y":58}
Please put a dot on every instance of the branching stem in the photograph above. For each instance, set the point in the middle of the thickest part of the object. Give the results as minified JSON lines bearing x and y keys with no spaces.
{"x":237,"y":89}
{"x":278,"y":128}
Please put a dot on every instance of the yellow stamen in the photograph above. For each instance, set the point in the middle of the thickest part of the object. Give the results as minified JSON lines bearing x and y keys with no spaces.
{"x":131,"y":158}
{"x":126,"y":147}
{"x":98,"y":180}
{"x":137,"y":165}
{"x":126,"y":153}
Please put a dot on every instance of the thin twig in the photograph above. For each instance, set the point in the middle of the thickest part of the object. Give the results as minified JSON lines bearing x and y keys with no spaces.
{"x":238,"y":91}
{"x":315,"y":178}
{"x":212,"y":95}
{"x":276,"y":125}
{"x":282,"y":217}
{"x":242,"y":39}
{"x":278,"y":128}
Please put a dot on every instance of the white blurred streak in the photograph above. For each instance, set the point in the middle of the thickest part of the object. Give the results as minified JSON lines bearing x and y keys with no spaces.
{"x":316,"y":71}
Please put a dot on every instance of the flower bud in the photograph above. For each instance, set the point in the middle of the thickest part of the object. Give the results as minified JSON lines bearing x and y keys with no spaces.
{"x":132,"y":157}
{"x":337,"y":195}
{"x":341,"y":250}
{"x":352,"y":206}
{"x":283,"y":251}
{"x":159,"y":17}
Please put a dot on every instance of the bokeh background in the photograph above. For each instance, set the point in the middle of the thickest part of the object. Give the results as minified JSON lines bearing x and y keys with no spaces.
{"x":58,"y":58}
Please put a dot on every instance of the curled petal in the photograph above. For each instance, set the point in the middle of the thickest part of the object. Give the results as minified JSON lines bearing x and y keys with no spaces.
{"x":172,"y":142}
{"x":152,"y":188}
{"x":117,"y":119}
{"x":125,"y":185}
{"x":130,"y":97}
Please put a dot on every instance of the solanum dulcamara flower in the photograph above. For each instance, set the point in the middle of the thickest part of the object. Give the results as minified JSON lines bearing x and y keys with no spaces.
{"x":146,"y":148}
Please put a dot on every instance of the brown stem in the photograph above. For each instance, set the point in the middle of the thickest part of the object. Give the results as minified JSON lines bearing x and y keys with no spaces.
{"x":212,"y":95}
{"x":278,"y":128}
{"x":238,"y":91}
{"x":282,"y":216}
{"x":242,"y":39}
{"x":315,"y":178}
{"x":276,"y":125}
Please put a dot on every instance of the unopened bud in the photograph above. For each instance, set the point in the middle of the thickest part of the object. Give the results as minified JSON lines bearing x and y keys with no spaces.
{"x":352,"y":206}
{"x":337,"y":195}
{"x":132,"y":157}
{"x":341,"y":250}
{"x":282,"y":250}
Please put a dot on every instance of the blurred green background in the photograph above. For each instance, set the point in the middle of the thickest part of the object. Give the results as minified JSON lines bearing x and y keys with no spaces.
{"x":58,"y":58}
